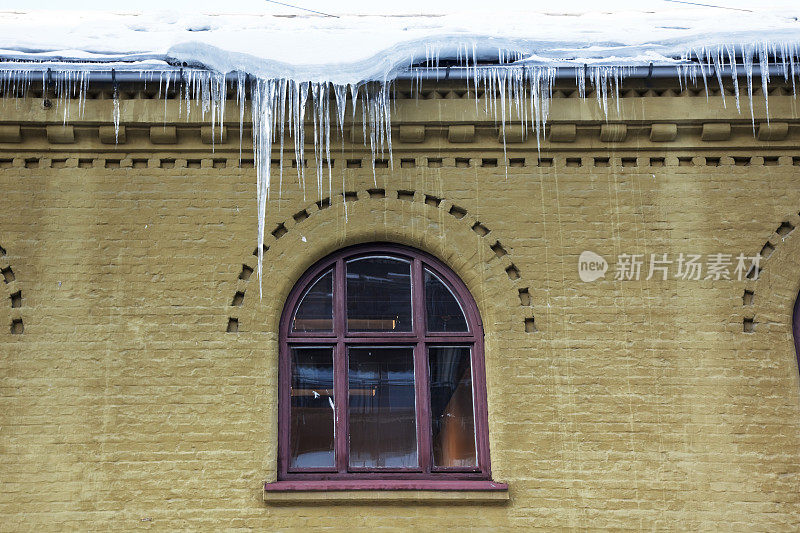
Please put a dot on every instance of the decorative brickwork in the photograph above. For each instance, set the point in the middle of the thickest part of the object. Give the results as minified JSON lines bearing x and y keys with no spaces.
{"x":455,"y":211}
{"x":15,"y":300}
{"x":775,"y":242}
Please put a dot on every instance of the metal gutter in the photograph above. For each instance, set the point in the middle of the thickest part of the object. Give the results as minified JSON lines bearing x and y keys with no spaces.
{"x":130,"y":74}
{"x":576,"y":72}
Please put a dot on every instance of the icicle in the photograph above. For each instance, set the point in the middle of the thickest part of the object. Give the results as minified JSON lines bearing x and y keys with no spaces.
{"x":501,"y":87}
{"x":327,"y":134}
{"x":222,"y":96}
{"x":165,"y":95}
{"x":784,"y":63}
{"x":700,"y":58}
{"x":718,"y":71}
{"x":241,"y":80}
{"x":475,"y":74}
{"x":734,"y":76}
{"x":115,"y":98}
{"x":283,"y":88}
{"x":263,"y":100}
{"x":763,"y":63}
{"x":315,"y":118}
{"x":747,"y":58}
{"x":300,"y":101}
{"x":340,"y":91}
{"x":83,"y":90}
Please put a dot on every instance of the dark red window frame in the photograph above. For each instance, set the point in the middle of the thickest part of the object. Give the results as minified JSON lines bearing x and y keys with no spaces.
{"x":424,"y":477}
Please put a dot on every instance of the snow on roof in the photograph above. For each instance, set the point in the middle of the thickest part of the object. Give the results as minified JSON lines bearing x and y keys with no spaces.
{"x":354,"y":48}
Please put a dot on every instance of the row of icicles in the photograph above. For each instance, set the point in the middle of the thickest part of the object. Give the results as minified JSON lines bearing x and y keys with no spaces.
{"x":510,"y":92}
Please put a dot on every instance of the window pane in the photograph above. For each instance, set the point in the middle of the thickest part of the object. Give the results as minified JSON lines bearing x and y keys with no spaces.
{"x":382,"y":408}
{"x":378,"y":294}
{"x":451,"y":407}
{"x":315,"y":312}
{"x":311,"y":431}
{"x":443,"y":311}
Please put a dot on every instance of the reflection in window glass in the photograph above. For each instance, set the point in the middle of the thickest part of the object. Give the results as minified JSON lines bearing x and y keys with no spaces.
{"x":315,"y":312}
{"x":442,"y":309}
{"x":311,"y":431}
{"x":378,"y":294}
{"x":452,"y":419}
{"x":382,"y":408}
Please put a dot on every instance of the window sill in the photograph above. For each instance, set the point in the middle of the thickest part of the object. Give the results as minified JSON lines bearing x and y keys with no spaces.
{"x":385,"y":491}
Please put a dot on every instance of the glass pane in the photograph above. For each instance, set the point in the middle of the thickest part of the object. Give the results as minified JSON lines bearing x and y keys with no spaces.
{"x":378,"y":294}
{"x":451,"y":407}
{"x":315,"y":312}
{"x":311,"y":431}
{"x":443,"y":311}
{"x":382,"y":408}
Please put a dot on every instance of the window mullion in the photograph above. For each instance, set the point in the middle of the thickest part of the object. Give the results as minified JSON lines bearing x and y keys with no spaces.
{"x":423,"y":406}
{"x":421,"y":368}
{"x":339,"y":303}
{"x":418,"y":299}
{"x":340,"y":368}
{"x":340,"y":404}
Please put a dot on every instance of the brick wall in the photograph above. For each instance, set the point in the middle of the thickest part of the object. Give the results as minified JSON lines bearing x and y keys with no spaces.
{"x":139,"y":367}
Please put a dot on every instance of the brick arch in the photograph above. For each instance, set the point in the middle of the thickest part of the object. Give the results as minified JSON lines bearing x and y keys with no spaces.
{"x":13,"y":293}
{"x":432,"y":212}
{"x":779,"y":254}
{"x":768,"y":303}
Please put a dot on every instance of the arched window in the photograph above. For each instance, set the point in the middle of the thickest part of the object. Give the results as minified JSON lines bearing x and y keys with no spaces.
{"x":382,"y":373}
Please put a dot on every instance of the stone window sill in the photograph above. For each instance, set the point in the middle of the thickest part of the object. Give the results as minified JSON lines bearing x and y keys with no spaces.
{"x":385,"y":491}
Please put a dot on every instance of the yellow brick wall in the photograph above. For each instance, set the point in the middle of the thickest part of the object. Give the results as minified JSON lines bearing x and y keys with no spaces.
{"x":125,"y":403}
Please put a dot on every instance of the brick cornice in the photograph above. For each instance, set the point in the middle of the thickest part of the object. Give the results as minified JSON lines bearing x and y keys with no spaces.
{"x":144,"y":137}
{"x":647,"y":120}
